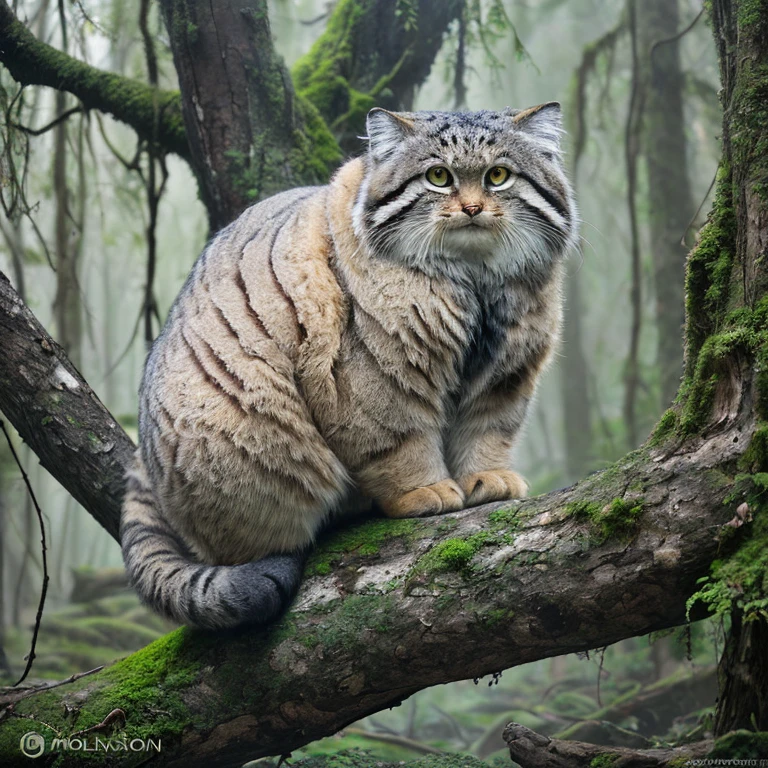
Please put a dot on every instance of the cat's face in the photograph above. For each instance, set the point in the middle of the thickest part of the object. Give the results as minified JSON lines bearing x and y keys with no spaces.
{"x":485,"y":187}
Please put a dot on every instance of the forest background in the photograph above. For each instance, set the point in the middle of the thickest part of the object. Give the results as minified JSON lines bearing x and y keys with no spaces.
{"x":643,"y":155}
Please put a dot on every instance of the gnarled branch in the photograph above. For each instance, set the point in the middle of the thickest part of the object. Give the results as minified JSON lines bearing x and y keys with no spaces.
{"x":532,"y":750}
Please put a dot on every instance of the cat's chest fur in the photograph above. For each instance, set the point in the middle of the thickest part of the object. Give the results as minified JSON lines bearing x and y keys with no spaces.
{"x":412,"y":345}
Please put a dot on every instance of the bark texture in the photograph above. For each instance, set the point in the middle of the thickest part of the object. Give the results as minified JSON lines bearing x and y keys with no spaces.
{"x":727,"y":312}
{"x":31,"y":62}
{"x":249,"y":136}
{"x":58,"y":415}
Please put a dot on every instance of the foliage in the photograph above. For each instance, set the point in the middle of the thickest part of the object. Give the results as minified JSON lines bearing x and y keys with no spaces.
{"x":741,"y":581}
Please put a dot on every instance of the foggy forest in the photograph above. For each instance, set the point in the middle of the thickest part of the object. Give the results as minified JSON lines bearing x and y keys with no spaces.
{"x":618,"y":616}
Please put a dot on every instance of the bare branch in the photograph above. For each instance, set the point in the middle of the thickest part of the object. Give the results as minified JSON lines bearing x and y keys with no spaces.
{"x":43,"y":549}
{"x":533,"y":750}
{"x":58,"y":415}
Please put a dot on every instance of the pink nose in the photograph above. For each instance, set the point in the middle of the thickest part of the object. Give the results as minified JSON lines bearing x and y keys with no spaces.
{"x":472,"y":210}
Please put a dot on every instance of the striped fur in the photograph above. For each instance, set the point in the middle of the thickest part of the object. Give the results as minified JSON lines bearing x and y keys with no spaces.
{"x":377,"y":339}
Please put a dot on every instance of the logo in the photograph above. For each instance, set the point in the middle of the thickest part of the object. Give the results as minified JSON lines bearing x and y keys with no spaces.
{"x":32,"y":745}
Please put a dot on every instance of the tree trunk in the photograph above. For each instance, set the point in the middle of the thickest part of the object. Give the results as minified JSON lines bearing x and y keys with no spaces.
{"x":249,"y":136}
{"x":574,"y":385}
{"x":369,"y":56}
{"x":743,"y":673}
{"x":669,"y":192}
{"x":738,"y":278}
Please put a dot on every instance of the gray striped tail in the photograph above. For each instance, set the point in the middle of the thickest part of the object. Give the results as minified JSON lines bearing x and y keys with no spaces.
{"x":168,"y":580}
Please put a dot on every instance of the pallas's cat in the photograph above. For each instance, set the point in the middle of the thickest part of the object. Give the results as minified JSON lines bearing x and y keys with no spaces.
{"x":378,"y":338}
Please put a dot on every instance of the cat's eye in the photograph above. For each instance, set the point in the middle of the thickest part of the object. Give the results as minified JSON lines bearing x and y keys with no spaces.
{"x":439,"y":176}
{"x":497,"y":176}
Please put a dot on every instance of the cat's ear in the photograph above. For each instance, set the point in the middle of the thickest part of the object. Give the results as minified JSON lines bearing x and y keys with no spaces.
{"x":544,"y":122}
{"x":386,"y":131}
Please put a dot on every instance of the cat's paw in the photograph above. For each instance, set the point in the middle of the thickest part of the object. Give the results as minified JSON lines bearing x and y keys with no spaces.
{"x":445,"y":496}
{"x":492,"y":485}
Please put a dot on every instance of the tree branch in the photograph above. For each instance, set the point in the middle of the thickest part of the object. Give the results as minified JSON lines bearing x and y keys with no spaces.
{"x":533,"y":750}
{"x":58,"y":415}
{"x":32,"y":62}
{"x":390,"y":607}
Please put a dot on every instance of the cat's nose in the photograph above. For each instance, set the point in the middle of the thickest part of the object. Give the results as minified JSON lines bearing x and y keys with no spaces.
{"x":471,"y":210}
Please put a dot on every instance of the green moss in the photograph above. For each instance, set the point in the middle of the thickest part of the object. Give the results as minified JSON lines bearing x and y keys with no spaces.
{"x":496,"y":616}
{"x":745,"y":331}
{"x":741,"y":745}
{"x":321,"y":75}
{"x":709,"y":270}
{"x":364,"y":539}
{"x":316,"y":151}
{"x":755,"y":458}
{"x":603,"y":761}
{"x":582,"y":509}
{"x":616,"y":520}
{"x":507,"y":517}
{"x":452,"y":554}
{"x":147,"y":686}
{"x":353,"y":618}
{"x":665,"y":428}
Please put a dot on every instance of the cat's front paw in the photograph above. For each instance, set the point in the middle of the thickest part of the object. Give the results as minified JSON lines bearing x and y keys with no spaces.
{"x":445,"y":496}
{"x":492,"y":485}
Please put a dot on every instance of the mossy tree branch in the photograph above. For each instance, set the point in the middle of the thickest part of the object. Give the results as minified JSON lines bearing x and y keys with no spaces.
{"x":390,"y":607}
{"x":32,"y":62}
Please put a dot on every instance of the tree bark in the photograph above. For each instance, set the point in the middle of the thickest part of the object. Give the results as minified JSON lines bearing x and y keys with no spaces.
{"x":574,"y":385}
{"x":249,"y":136}
{"x":31,"y":62}
{"x":58,"y":415}
{"x":743,"y":673}
{"x":727,"y":285}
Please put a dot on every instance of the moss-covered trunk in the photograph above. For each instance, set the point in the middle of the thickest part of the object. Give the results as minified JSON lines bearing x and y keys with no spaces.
{"x":249,"y":135}
{"x":727,"y":339}
{"x":372,"y":53}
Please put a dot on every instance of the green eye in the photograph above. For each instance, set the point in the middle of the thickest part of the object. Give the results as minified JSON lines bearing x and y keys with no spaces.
{"x":439,"y":176}
{"x":497,"y":176}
